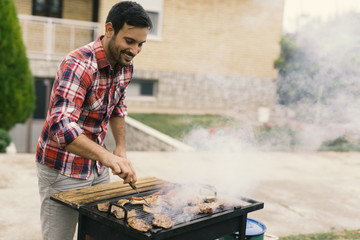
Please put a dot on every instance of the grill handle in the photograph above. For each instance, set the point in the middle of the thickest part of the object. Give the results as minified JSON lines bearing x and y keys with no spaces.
{"x":122,"y":207}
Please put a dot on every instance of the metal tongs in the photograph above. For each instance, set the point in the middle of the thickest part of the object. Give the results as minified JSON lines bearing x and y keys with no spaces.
{"x":134,"y":187}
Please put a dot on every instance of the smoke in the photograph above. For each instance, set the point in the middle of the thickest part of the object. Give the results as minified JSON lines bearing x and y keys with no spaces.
{"x":222,"y":159}
{"x":323,"y":87}
{"x":225,"y":139}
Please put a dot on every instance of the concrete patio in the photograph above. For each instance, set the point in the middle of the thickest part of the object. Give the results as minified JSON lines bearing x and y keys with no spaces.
{"x":302,"y":192}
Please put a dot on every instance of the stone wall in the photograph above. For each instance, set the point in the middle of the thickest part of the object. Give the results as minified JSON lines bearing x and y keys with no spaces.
{"x":206,"y":94}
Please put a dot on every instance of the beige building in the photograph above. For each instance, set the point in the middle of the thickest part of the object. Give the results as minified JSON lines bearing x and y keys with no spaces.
{"x":203,"y":56}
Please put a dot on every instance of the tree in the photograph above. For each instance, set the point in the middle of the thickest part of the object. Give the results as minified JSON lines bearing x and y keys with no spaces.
{"x":17,"y":95}
{"x":320,"y":62}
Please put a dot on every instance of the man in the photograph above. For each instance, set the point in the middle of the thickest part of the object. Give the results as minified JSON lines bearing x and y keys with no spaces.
{"x":88,"y":93}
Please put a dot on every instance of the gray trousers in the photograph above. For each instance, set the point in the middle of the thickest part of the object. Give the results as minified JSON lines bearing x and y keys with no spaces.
{"x":59,"y":221}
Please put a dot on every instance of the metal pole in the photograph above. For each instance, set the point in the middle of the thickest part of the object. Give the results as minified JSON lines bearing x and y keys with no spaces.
{"x":29,"y":135}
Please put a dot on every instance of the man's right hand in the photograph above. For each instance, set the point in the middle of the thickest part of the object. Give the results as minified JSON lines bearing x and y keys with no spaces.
{"x":123,"y":168}
{"x":85,"y":147}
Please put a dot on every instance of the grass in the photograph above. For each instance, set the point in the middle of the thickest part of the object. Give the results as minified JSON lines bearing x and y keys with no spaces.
{"x":178,"y":125}
{"x":345,"y":235}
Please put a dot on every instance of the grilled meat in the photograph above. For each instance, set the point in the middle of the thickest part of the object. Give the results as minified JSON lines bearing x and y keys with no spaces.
{"x":210,"y":199}
{"x":146,"y":197}
{"x":139,"y":224}
{"x":122,"y":202}
{"x":201,"y":199}
{"x":162,"y":220}
{"x":210,"y":207}
{"x":104,"y":206}
{"x":203,"y":207}
{"x":195,"y":201}
{"x":151,"y":209}
{"x":151,"y":201}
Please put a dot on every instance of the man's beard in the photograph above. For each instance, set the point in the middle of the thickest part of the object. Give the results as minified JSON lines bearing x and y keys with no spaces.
{"x":117,"y":58}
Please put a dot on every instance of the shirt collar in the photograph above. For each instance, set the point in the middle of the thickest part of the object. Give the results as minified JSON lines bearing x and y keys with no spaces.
{"x":100,"y":55}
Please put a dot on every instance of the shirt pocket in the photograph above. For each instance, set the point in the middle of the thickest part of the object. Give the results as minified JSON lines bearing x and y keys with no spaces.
{"x":95,"y":101}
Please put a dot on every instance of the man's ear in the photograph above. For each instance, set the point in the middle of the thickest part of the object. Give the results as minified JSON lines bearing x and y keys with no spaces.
{"x":109,"y":30}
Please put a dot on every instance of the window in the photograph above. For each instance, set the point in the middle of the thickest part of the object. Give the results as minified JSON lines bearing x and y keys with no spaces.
{"x":42,"y":90}
{"x":47,"y":8}
{"x":154,"y":16}
{"x":155,"y":10}
{"x":142,"y":88}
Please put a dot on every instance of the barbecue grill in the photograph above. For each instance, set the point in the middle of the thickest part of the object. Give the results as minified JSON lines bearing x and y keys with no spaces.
{"x":103,"y":225}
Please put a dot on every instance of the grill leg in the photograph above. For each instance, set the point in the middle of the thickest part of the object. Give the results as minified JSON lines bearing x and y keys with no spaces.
{"x":81,"y":233}
{"x":242,"y":227}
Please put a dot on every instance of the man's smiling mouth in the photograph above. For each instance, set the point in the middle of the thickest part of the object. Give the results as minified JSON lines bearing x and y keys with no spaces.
{"x":128,"y":56}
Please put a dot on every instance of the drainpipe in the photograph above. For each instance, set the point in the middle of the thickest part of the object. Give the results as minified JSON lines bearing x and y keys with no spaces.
{"x":95,"y":11}
{"x":29,"y":135}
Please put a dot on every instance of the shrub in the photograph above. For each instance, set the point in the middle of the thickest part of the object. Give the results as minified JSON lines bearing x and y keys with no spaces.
{"x":5,"y":140}
{"x":277,"y":137}
{"x":340,"y":144}
{"x":17,"y":96}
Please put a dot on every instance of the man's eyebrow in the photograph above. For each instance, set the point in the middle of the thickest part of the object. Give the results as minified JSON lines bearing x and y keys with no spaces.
{"x":132,"y":39}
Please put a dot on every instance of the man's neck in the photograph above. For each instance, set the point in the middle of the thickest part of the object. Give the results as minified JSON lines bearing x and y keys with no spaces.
{"x":105,"y":45}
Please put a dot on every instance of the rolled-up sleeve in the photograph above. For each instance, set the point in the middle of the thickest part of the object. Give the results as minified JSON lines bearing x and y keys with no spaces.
{"x":69,"y":92}
{"x":120,"y":109}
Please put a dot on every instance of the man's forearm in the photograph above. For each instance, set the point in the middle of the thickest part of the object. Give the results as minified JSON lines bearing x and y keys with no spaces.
{"x":86,"y":148}
{"x":119,"y":164}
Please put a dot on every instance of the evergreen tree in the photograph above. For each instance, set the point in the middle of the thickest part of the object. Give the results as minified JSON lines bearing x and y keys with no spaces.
{"x":17,"y":96}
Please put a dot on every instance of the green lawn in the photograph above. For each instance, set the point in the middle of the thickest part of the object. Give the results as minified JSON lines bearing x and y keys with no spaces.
{"x":178,"y":125}
{"x":267,"y":136}
{"x":345,"y":235}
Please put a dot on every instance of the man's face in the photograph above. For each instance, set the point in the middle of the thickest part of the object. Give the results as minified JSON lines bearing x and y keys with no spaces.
{"x":126,"y":44}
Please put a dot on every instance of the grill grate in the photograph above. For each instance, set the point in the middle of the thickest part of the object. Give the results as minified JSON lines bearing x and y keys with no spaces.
{"x":104,"y":225}
{"x":177,"y":216}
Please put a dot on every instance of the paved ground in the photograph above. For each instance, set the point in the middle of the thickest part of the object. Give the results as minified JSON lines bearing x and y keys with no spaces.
{"x":302,"y":192}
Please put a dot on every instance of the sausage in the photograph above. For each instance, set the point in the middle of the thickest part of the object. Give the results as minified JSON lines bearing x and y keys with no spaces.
{"x":149,"y":196}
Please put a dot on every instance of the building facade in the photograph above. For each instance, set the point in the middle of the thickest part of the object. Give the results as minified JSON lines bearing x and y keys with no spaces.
{"x":203,"y":56}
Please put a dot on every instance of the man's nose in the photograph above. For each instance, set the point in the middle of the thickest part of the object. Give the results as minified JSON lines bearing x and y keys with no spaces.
{"x":135,"y":50}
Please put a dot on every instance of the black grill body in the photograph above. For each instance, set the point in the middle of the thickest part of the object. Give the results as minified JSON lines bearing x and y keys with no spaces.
{"x":102,"y":225}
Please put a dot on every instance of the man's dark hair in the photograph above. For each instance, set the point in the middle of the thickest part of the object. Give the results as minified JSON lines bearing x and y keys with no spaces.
{"x":130,"y":13}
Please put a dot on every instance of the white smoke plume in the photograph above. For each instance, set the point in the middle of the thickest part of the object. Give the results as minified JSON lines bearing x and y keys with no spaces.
{"x":330,"y":82}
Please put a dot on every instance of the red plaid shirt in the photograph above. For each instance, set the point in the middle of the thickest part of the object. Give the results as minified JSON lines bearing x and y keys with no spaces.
{"x":87,"y":91}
